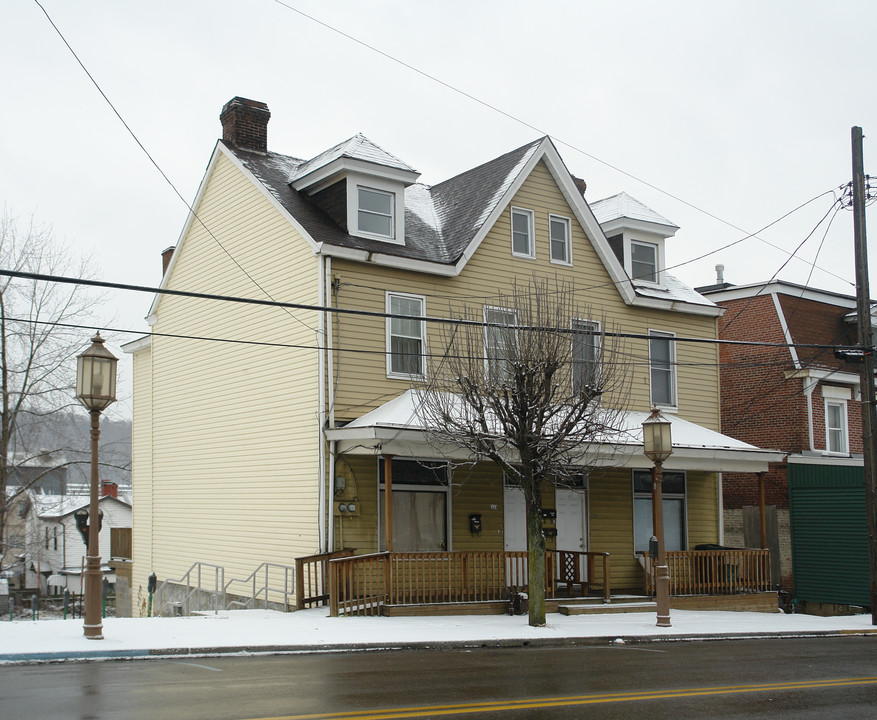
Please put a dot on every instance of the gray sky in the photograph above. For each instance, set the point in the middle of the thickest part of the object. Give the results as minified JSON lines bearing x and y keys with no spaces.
{"x":741,"y":109}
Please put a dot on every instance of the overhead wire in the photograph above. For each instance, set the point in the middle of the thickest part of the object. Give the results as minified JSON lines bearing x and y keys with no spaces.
{"x":533,"y":127}
{"x":158,"y":167}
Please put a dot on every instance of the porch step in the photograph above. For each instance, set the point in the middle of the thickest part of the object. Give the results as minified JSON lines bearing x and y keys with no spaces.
{"x":606,"y":608}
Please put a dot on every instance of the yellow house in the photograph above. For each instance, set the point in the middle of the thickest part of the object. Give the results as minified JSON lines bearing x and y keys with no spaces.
{"x":265,"y":431}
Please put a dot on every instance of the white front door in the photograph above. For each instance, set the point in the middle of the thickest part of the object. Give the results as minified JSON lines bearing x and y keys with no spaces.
{"x":572,"y":519}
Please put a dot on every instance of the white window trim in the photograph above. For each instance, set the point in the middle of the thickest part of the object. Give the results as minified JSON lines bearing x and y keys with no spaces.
{"x":531,"y":228}
{"x":664,"y":496}
{"x":674,"y":385}
{"x":367,"y":182}
{"x":488,"y":308}
{"x":388,"y":341}
{"x":657,"y":249}
{"x":842,"y":403}
{"x":597,"y":344}
{"x":568,"y":223}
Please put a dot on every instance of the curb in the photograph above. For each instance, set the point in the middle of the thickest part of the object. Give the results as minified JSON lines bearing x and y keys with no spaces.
{"x":219,"y":651}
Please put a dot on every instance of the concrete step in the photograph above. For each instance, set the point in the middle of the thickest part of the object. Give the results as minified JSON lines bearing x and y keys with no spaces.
{"x":606,"y":608}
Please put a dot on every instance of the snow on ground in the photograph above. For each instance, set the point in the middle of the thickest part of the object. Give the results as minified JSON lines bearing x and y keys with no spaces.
{"x":264,"y":629}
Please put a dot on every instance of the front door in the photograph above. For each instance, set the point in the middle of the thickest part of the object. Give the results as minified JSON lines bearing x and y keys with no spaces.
{"x":572,"y":519}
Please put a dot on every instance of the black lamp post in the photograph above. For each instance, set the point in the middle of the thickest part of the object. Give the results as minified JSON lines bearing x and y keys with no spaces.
{"x":658,"y":445}
{"x":96,"y":390}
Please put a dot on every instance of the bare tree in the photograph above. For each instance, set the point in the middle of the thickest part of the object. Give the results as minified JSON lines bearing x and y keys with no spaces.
{"x":38,"y":341}
{"x":534,"y":385}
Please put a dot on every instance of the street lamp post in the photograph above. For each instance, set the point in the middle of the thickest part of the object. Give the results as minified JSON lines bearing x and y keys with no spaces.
{"x":658,"y":445}
{"x":96,"y":390}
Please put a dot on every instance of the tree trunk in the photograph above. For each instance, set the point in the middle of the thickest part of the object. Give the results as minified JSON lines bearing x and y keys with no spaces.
{"x":535,"y":563}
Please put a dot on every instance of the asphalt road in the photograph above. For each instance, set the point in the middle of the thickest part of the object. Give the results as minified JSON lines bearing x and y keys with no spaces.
{"x":795,"y":678}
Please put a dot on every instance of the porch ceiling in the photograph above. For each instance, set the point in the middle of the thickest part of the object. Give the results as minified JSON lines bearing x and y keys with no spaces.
{"x":396,"y":428}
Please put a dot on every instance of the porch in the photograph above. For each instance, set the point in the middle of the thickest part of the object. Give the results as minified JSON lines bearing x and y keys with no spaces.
{"x":445,"y":583}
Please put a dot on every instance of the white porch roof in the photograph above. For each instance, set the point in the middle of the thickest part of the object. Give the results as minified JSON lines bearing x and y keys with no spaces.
{"x":397,"y":428}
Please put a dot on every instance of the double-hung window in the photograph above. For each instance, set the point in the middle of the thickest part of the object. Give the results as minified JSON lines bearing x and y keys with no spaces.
{"x":644,"y":261}
{"x":560,"y":245}
{"x":585,"y":355}
{"x":406,"y":336}
{"x":375,"y":212}
{"x":662,"y":368}
{"x":499,"y":342}
{"x":836,"y":427}
{"x":522,"y":233}
{"x":673,"y":496}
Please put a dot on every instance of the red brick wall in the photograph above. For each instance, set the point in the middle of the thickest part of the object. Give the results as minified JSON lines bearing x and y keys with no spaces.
{"x":759,"y":405}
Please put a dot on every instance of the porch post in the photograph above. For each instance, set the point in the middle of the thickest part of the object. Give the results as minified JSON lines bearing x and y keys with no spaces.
{"x":388,"y":502}
{"x":662,"y":572}
{"x":761,"y":512}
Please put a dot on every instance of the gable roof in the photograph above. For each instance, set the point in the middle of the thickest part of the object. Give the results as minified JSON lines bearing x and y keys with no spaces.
{"x":444,"y":223}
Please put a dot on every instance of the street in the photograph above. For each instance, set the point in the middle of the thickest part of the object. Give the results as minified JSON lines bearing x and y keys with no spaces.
{"x":801,"y":678}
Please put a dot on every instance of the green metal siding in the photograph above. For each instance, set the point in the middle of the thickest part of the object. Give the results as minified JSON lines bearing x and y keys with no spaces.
{"x":829,"y":534}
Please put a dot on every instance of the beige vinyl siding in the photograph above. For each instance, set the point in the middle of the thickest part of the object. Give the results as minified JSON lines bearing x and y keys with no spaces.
{"x":361,"y":365}
{"x":477,"y":489}
{"x":141,"y":458}
{"x":234,"y":477}
{"x":702,"y":490}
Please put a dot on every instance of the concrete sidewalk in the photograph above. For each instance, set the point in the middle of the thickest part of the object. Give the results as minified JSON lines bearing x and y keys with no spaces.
{"x":265,"y":631}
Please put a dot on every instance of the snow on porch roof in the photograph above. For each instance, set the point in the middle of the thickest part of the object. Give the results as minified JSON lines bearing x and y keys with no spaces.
{"x":396,"y":428}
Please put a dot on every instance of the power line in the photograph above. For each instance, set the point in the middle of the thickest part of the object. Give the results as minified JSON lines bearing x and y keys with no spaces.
{"x":379,"y":314}
{"x":157,"y":166}
{"x":529,"y":125}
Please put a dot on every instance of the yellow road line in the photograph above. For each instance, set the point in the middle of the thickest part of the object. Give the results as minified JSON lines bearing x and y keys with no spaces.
{"x":496,"y":706}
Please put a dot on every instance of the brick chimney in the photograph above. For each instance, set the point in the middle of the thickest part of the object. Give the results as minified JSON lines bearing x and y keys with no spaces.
{"x":580,"y":184}
{"x":166,"y":256}
{"x":109,"y":488}
{"x":245,"y":124}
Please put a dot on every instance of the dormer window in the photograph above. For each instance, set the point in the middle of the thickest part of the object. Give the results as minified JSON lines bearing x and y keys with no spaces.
{"x":644,"y":261}
{"x":375,"y":212}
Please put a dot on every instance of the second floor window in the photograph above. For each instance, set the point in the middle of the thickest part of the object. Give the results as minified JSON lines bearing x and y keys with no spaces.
{"x":405,"y":336}
{"x":375,"y":212}
{"x":662,"y":368}
{"x":836,"y":427}
{"x":499,"y":342}
{"x":585,"y":361}
{"x":644,"y":261}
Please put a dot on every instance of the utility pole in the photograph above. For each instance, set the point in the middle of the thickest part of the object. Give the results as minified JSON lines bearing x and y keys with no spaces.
{"x":863,"y":311}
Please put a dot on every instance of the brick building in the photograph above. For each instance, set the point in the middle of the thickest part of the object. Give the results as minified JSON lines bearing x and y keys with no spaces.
{"x":804,"y":401}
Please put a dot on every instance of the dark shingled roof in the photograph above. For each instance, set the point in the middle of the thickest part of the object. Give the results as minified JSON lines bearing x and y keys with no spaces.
{"x":440,"y":221}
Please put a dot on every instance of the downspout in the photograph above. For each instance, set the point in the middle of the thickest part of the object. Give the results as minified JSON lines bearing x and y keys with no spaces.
{"x":321,"y":389}
{"x":809,"y":387}
{"x":330,"y":392}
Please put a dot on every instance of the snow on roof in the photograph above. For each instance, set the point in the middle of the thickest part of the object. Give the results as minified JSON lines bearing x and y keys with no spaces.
{"x":52,"y":506}
{"x":694,"y":446}
{"x":359,"y":147}
{"x":623,"y":205}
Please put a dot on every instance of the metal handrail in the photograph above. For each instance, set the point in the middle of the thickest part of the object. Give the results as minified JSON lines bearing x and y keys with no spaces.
{"x":186,"y":581}
{"x":286,"y":590}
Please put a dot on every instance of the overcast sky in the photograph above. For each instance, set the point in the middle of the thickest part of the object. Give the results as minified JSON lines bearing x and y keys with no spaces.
{"x":742,"y":110}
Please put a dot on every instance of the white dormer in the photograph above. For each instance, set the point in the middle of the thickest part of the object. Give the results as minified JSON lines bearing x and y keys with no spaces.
{"x":361,"y":186}
{"x":636,"y":234}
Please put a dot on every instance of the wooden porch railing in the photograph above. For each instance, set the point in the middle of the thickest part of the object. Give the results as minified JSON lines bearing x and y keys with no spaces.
{"x":311,"y":577}
{"x":361,"y":584}
{"x":713,"y":572}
